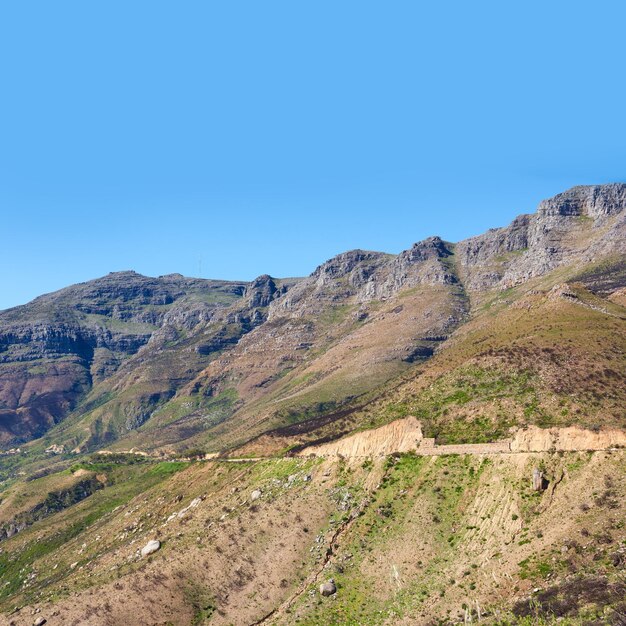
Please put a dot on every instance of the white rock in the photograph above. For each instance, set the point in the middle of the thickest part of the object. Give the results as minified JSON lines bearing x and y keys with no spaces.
{"x":192,"y":505}
{"x":255,"y":495}
{"x":150,"y":547}
{"x":329,"y":588}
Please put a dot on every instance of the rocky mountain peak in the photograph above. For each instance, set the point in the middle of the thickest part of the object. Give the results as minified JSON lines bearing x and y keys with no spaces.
{"x":346,"y":262}
{"x":590,"y":200}
{"x":557,"y":234}
{"x":430,"y":248}
{"x":261,"y":291}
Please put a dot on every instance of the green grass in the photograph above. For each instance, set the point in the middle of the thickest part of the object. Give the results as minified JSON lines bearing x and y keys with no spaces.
{"x":438,"y":406}
{"x":334,"y":315}
{"x":280,"y":469}
{"x":410,"y":483}
{"x":212,"y":409}
{"x":20,"y":554}
{"x":167,"y":468}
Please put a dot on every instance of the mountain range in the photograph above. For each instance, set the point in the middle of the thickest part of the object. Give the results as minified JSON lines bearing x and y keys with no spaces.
{"x":168,"y":360}
{"x":520,"y":327}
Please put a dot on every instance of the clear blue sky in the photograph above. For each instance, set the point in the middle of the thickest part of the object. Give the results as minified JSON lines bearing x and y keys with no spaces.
{"x":265,"y":137}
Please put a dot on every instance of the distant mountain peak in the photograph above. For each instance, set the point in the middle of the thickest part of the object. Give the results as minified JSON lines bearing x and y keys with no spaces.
{"x":590,"y":200}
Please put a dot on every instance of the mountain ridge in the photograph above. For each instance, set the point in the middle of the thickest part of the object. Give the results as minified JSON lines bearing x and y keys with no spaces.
{"x":88,"y":333}
{"x":433,"y":437}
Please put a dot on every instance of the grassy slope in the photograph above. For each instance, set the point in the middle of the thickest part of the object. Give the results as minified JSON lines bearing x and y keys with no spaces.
{"x":528,"y":356}
{"x":442,"y":535}
{"x":408,"y":540}
{"x":267,"y":382}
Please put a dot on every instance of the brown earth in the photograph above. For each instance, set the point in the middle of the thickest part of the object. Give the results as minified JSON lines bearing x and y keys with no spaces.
{"x":230,"y":560}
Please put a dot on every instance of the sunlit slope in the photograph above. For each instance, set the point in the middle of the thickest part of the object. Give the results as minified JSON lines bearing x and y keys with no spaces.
{"x":407,"y":540}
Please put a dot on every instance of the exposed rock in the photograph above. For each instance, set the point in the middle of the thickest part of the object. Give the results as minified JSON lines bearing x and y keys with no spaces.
{"x":399,"y":436}
{"x":180,"y":514}
{"x":55,"y":449}
{"x":152,"y":546}
{"x":570,"y":226}
{"x":328,"y":588}
{"x":594,"y":201}
{"x":562,"y":291}
{"x":262,"y":291}
{"x":535,"y":439}
{"x":537,"y":480}
{"x":40,"y":621}
{"x":405,"y":435}
{"x":54,"y":348}
{"x":255,"y":495}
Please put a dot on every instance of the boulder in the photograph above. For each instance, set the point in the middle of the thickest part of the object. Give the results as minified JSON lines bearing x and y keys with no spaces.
{"x":150,"y":547}
{"x":255,"y":495}
{"x":40,"y":621}
{"x":329,"y":588}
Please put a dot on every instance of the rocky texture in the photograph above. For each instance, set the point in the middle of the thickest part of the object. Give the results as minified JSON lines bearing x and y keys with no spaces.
{"x":176,"y":359}
{"x":151,"y":547}
{"x":358,"y":320}
{"x":367,"y":276}
{"x":577,"y":226}
{"x":56,"y":349}
{"x":594,"y":201}
{"x":534,"y":439}
{"x":400,"y":436}
{"x":263,"y":290}
{"x":406,"y":435}
{"x":328,"y":588}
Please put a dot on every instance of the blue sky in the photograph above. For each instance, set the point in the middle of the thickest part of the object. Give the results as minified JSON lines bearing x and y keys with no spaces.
{"x":230,"y":139}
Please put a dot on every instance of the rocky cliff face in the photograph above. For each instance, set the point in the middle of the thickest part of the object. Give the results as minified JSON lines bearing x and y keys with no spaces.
{"x":367,"y":276}
{"x":120,"y":350}
{"x":594,"y":201}
{"x":578,"y":226}
{"x":55,"y":348}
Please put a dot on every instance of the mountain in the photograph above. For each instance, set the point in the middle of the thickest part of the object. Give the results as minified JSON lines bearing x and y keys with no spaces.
{"x":165,"y":360}
{"x":517,"y":334}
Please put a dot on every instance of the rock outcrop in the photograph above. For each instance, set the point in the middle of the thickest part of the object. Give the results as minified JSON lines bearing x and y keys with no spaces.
{"x":54,"y":349}
{"x":151,"y":547}
{"x":535,"y":439}
{"x":328,"y":588}
{"x":405,"y":435}
{"x":579,"y":225}
{"x":402,"y":435}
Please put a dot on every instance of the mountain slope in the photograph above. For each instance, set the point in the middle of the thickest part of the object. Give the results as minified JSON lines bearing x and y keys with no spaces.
{"x":185,"y":362}
{"x":524,"y":325}
{"x":76,"y":349}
